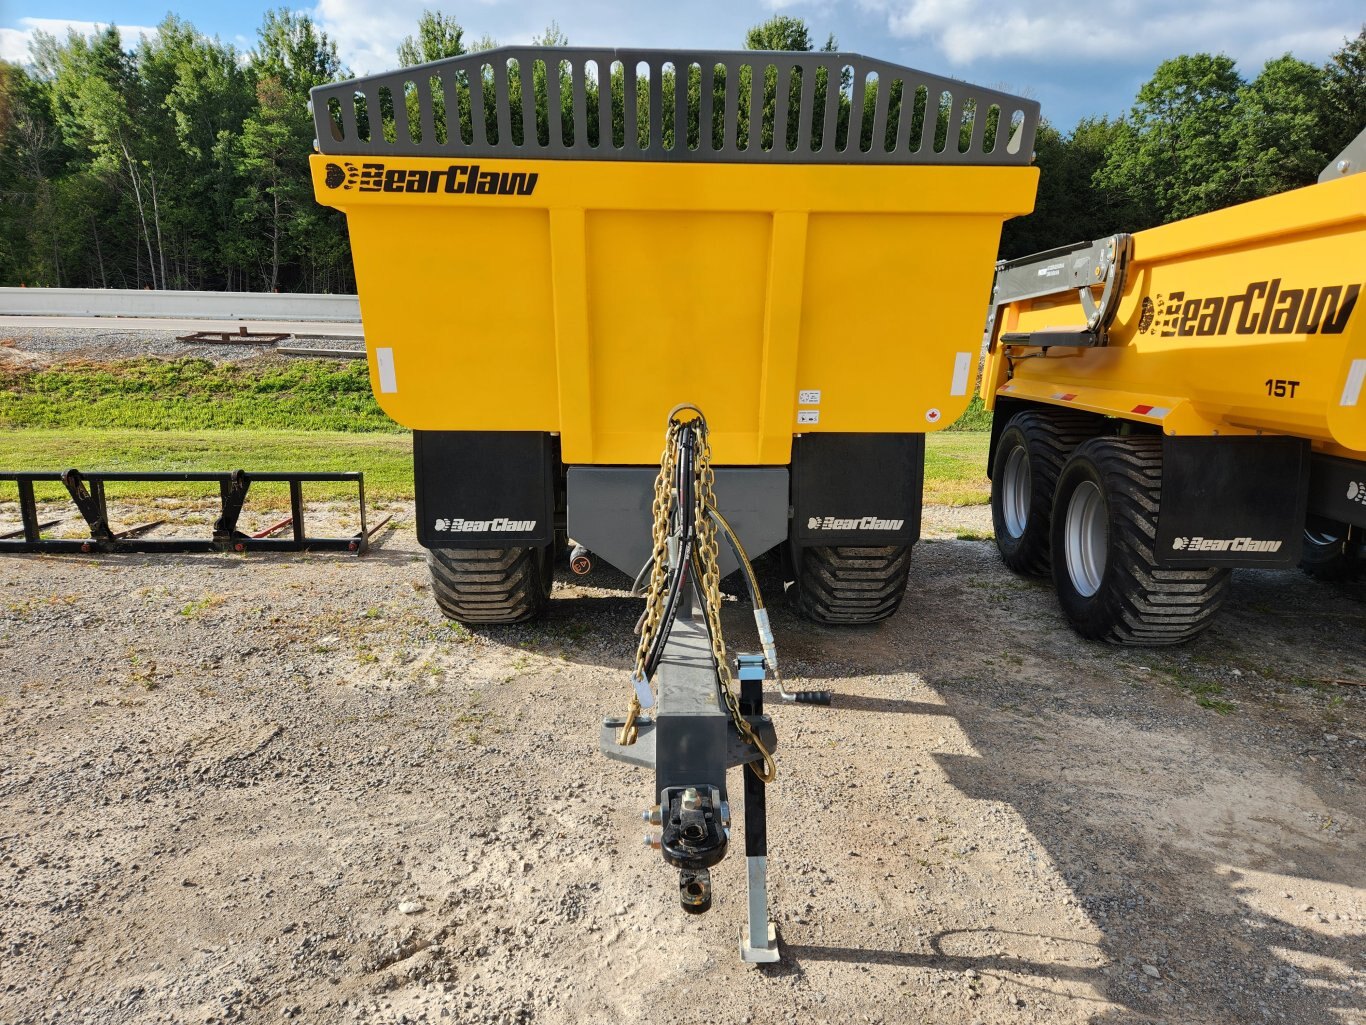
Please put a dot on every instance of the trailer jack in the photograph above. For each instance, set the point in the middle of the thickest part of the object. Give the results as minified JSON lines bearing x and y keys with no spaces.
{"x":691,"y":743}
{"x":686,"y":721}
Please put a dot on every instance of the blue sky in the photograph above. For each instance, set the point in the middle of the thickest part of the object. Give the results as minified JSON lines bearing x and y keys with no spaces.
{"x":1076,"y":59}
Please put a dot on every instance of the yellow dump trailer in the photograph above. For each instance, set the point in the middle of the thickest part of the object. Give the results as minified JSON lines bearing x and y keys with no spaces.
{"x":555,"y":247}
{"x":1185,"y":400}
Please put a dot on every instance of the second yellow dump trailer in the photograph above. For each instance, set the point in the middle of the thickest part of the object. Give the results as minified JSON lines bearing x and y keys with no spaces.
{"x":1183,"y":401}
{"x":555,"y":247}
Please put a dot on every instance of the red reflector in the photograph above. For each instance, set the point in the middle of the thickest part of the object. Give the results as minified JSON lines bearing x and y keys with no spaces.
{"x":1141,"y":410}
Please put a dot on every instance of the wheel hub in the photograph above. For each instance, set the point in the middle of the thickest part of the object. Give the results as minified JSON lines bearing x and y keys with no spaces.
{"x":1088,"y":539}
{"x":1016,"y":492}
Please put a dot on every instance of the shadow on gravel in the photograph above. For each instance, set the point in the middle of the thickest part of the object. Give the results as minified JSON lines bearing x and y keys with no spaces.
{"x":1181,"y":833}
{"x":861,"y":703}
{"x":939,"y":960}
{"x":586,"y":611}
{"x":1223,"y":958}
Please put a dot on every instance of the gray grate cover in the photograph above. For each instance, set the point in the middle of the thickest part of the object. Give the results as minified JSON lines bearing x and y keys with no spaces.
{"x":343,"y":111}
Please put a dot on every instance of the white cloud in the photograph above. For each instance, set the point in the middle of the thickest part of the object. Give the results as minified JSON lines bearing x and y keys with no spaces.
{"x":14,"y":42}
{"x":13,"y":45}
{"x":367,"y":34}
{"x":969,"y":30}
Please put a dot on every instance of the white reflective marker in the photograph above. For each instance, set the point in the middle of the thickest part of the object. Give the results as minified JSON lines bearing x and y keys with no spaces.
{"x":962,"y":363}
{"x":1356,"y":376}
{"x":384,"y":362}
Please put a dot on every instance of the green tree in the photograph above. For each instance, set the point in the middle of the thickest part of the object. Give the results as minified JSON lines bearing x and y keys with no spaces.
{"x":1345,"y":93}
{"x":200,"y":96}
{"x":1174,"y":156}
{"x":1070,"y":206}
{"x":1282,"y":129}
{"x":285,"y":224}
{"x":438,"y":36}
{"x":30,"y":143}
{"x":100,"y":105}
{"x":788,"y":34}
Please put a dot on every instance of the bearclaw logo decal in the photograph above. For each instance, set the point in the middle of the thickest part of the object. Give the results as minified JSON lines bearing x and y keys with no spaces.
{"x":341,"y":176}
{"x":858,"y":523}
{"x":1224,"y":544}
{"x":456,"y":179}
{"x":1264,"y":307}
{"x":500,"y":525}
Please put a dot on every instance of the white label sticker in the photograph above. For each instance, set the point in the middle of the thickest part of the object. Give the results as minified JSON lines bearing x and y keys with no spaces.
{"x":384,"y":362}
{"x":962,"y":363}
{"x":809,"y":397}
{"x":808,"y":416}
{"x":1356,"y":376}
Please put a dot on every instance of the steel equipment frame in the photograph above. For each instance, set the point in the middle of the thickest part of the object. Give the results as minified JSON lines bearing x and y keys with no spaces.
{"x":86,"y":490}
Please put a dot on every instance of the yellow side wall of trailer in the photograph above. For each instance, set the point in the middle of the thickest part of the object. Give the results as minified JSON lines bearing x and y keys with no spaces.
{"x":1243,"y":321}
{"x":615,"y":290}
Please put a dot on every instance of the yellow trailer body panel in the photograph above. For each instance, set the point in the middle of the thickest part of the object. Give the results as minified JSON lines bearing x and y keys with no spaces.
{"x":1243,"y":321}
{"x":742,"y":286}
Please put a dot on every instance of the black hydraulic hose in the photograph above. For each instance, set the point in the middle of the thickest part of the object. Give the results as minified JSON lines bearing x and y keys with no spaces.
{"x":684,"y":482}
{"x":673,"y":599}
{"x":685,"y":531}
{"x":641,"y":577}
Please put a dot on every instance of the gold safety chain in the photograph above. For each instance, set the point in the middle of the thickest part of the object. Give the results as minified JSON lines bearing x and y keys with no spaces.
{"x":707,"y":552}
{"x":662,"y":509}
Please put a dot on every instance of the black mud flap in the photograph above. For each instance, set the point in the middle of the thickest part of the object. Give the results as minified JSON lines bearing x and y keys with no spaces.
{"x":1232,"y":501}
{"x":857,"y":489}
{"x":484,"y":489}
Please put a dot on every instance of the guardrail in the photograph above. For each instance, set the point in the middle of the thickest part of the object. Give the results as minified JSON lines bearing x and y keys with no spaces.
{"x":131,"y":302}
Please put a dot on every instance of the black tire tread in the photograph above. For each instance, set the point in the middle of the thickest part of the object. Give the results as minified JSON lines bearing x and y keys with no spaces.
{"x":849,"y":585}
{"x":1140,"y":604}
{"x":490,"y":585}
{"x":1050,"y":437}
{"x":1332,"y":563}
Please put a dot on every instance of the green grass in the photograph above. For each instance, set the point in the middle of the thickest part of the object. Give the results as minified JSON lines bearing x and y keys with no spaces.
{"x":194,"y":395}
{"x":975,"y":418}
{"x":317,"y":415}
{"x":955,"y":468}
{"x":953,"y":462}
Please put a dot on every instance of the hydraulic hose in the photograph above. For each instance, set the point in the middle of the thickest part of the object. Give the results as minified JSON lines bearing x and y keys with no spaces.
{"x":761,"y":623}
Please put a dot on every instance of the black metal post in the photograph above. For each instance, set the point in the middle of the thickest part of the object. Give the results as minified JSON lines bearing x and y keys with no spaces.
{"x":296,"y":508}
{"x":756,"y":791}
{"x":28,"y":512}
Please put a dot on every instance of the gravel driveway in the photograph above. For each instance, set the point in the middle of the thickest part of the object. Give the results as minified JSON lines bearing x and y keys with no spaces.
{"x":262,"y":788}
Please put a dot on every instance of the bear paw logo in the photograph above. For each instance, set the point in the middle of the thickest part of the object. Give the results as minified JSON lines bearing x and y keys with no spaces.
{"x":338,"y":176}
{"x":1356,"y":490}
{"x":443,"y":525}
{"x":1145,"y":319}
{"x":1179,"y":543}
{"x":813,"y":523}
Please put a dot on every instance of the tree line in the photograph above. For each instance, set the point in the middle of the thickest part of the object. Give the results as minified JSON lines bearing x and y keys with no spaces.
{"x":183,"y":162}
{"x":1199,"y":137}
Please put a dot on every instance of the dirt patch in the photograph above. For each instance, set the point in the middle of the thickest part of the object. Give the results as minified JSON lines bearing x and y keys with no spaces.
{"x":271,"y":787}
{"x":13,"y":358}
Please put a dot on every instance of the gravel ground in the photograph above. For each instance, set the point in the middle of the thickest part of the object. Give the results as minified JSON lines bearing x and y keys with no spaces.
{"x":263,"y":788}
